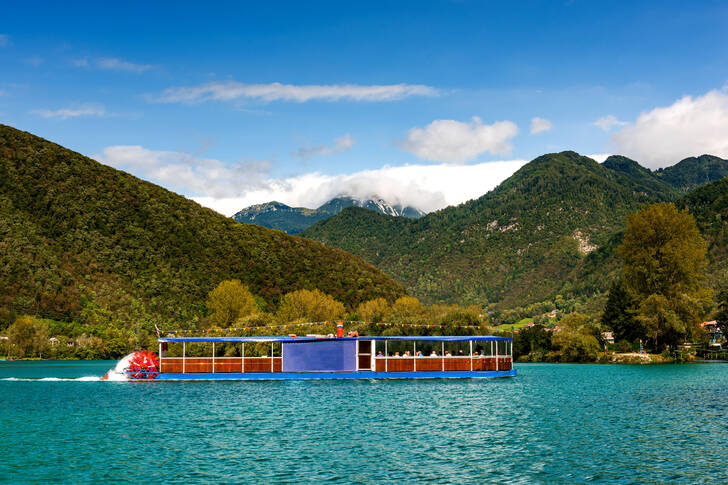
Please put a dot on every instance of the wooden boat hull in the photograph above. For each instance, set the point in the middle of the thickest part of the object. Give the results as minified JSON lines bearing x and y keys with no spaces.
{"x":335,"y":375}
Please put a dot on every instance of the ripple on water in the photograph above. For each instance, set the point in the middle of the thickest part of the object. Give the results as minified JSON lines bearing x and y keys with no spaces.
{"x":551,"y":424}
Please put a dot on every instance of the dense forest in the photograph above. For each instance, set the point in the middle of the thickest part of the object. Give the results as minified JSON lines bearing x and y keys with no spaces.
{"x":82,"y":242}
{"x":95,"y":258}
{"x":545,"y":238}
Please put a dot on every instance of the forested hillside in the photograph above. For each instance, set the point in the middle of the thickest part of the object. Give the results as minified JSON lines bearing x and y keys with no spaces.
{"x":77,"y":236}
{"x":515,"y":245}
{"x":709,"y":205}
{"x":693,"y":172}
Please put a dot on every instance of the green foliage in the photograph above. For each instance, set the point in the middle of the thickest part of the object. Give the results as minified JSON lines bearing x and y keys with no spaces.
{"x":27,"y":337}
{"x":373,"y":310}
{"x":72,"y":229}
{"x":406,"y":309}
{"x":310,"y":306}
{"x":230,"y":301}
{"x":532,"y":343}
{"x":664,"y":264}
{"x":619,"y":314}
{"x":709,"y":205}
{"x":721,"y":318}
{"x":577,"y":340}
{"x":519,"y":244}
{"x":275,"y":215}
{"x":694,"y":171}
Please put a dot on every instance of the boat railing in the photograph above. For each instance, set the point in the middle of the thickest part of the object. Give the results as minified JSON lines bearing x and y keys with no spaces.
{"x":426,"y":363}
{"x":480,"y":359}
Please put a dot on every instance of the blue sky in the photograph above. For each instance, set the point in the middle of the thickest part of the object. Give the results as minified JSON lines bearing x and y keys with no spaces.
{"x":234,"y":104}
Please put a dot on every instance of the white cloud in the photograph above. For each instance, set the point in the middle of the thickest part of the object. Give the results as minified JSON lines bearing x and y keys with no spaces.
{"x":599,"y":157}
{"x":539,"y":125}
{"x":608,"y":122}
{"x":186,"y":173}
{"x":426,"y":187}
{"x":459,"y":142}
{"x":4,"y":40}
{"x":227,"y":188}
{"x":688,"y":127}
{"x":114,"y":64}
{"x":232,"y":91}
{"x":65,"y":113}
{"x":341,"y":144}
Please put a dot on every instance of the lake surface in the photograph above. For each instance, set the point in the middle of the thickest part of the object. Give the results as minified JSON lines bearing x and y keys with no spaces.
{"x":551,"y":424}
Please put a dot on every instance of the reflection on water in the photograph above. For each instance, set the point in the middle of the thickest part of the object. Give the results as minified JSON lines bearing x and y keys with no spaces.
{"x":552,"y":423}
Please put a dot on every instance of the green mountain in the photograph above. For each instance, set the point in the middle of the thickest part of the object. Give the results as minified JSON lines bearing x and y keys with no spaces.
{"x":642,"y":178}
{"x":76,"y":235}
{"x":293,"y":220}
{"x":275,"y":215}
{"x":694,"y":172}
{"x":517,"y":244}
{"x":709,"y":205}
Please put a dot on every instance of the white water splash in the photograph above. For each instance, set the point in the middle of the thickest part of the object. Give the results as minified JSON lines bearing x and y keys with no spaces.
{"x":117,"y":373}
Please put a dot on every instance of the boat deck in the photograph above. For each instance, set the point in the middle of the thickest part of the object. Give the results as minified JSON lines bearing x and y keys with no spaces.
{"x":340,"y":358}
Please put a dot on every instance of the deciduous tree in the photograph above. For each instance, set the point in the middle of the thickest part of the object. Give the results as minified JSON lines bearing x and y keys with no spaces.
{"x":664,"y":264}
{"x":373,"y":310}
{"x":229,"y":301}
{"x":28,"y":337}
{"x":576,"y":341}
{"x":406,"y":308}
{"x":309,"y":305}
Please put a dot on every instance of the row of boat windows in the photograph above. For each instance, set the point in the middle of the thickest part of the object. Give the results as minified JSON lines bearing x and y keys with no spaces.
{"x":431,"y":354}
{"x":436,"y":349}
{"x":393,"y":349}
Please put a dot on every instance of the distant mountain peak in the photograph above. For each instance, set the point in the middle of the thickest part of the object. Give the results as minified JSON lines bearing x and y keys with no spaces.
{"x":293,"y":220}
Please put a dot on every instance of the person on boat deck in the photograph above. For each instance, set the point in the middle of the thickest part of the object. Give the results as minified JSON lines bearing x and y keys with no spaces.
{"x":379,"y":354}
{"x":460,"y":352}
{"x":419,"y":353}
{"x":448,"y":354}
{"x":433,"y":354}
{"x":475,"y":354}
{"x":396,"y":354}
{"x":407,"y":354}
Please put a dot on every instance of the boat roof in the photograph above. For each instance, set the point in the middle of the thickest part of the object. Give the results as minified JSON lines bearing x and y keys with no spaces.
{"x":439,"y":338}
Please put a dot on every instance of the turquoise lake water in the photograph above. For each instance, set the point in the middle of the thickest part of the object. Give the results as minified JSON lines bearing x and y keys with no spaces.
{"x":550,"y":424}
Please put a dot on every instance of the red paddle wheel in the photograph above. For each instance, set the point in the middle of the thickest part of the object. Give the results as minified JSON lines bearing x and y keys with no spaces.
{"x":143,"y":365}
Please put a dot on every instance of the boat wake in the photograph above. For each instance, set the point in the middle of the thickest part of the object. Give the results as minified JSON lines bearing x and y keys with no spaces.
{"x":52,"y":379}
{"x":116,"y":374}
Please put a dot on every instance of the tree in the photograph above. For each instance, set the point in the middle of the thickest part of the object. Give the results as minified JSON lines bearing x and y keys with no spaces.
{"x":577,"y":339}
{"x":309,"y":305}
{"x":28,"y":337}
{"x":373,"y":310}
{"x":534,"y":341}
{"x":664,"y":270}
{"x":406,"y":308}
{"x":619,"y":314}
{"x":722,"y":316}
{"x":229,"y":301}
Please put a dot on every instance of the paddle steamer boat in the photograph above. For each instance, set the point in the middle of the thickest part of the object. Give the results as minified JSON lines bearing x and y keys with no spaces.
{"x":321,"y":357}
